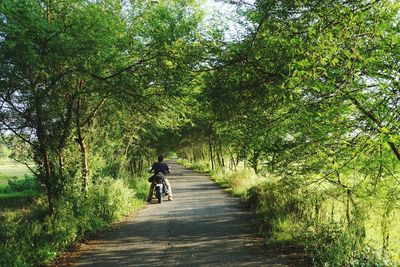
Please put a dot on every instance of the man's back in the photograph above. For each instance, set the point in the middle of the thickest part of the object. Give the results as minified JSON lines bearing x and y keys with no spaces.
{"x":160,"y":167}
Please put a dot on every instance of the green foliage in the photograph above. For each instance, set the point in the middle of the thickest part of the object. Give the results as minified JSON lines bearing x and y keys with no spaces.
{"x":4,"y":151}
{"x":3,"y":188}
{"x":140,"y":186}
{"x":309,"y":100}
{"x":88,"y":94}
{"x":291,"y":214}
{"x":279,"y":208}
{"x":201,"y":166}
{"x":111,"y":199}
{"x":238,"y":183}
{"x":36,"y":238}
{"x":335,"y":245}
{"x":19,"y":192}
{"x":26,"y":183}
{"x":17,"y":200}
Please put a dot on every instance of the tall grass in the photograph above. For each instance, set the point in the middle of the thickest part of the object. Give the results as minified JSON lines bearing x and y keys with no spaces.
{"x":200,"y":166}
{"x":238,"y":183}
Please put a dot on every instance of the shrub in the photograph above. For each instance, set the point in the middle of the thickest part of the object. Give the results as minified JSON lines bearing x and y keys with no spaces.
{"x":140,"y":186}
{"x":279,"y":208}
{"x":111,"y":199}
{"x":336,"y":245}
{"x":201,"y":166}
{"x":238,"y":183}
{"x":20,"y":185}
{"x":184,"y":162}
{"x":291,"y":214}
{"x":14,"y":200}
{"x":36,"y":238}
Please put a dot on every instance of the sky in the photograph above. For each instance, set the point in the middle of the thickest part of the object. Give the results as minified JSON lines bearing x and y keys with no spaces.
{"x":226,"y":14}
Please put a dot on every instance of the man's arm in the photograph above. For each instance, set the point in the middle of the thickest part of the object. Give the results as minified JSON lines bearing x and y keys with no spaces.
{"x":152,"y":168}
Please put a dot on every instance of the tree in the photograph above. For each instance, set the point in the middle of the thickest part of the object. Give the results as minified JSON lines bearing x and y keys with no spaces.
{"x":78,"y":58}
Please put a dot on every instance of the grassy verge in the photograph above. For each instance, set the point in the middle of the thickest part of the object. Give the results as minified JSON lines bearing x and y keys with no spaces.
{"x":32,"y":237}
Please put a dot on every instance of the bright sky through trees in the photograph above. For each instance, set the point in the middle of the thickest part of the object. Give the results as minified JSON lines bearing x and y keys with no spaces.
{"x":226,"y":17}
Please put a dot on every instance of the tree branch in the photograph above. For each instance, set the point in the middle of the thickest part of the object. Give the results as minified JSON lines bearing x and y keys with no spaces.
{"x":372,"y":117}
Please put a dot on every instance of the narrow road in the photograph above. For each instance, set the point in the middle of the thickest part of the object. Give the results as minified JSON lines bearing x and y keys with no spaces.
{"x":202,"y":226}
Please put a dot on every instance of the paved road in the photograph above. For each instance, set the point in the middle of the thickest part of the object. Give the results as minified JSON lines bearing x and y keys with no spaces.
{"x":202,"y":226}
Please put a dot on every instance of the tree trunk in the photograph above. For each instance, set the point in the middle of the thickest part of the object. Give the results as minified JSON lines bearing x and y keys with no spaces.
{"x":237,"y":161}
{"x":47,"y":180}
{"x":211,"y":154}
{"x":47,"y":175}
{"x":232,"y":162}
{"x":131,"y":168}
{"x":82,"y":147}
{"x":216,"y":153}
{"x":140,"y":165}
{"x":60,"y":164}
{"x":221,"y":154}
{"x":203,"y":156}
{"x":348,"y":207}
{"x":254,"y":161}
{"x":84,"y":165}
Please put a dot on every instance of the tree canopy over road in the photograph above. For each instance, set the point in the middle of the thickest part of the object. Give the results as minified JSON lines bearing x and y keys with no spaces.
{"x":307,"y":96}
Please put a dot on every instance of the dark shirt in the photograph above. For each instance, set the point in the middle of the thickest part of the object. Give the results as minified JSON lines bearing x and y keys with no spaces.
{"x":160,"y":167}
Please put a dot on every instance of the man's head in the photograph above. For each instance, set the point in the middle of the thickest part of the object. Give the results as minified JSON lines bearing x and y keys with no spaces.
{"x":160,"y":158}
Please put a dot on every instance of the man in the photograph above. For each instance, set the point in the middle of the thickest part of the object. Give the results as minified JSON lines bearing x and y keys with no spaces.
{"x":162,"y":167}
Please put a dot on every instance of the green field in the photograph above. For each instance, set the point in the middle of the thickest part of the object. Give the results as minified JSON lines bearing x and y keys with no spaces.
{"x":8,"y":198}
{"x":10,"y":169}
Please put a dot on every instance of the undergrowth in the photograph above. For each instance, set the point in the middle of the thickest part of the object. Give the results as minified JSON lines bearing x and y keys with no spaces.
{"x":33,"y":237}
{"x":19,"y":192}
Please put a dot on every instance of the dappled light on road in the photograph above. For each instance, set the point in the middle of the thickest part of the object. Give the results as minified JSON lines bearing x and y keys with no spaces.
{"x":203,"y":226}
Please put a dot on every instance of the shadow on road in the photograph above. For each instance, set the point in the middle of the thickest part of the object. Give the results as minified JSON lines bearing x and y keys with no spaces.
{"x":203,"y":226}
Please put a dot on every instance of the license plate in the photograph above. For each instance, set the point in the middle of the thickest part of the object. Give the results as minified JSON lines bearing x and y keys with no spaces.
{"x":159,"y":185}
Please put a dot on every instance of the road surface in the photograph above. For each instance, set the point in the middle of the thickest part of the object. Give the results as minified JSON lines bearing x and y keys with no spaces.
{"x":202,"y":226}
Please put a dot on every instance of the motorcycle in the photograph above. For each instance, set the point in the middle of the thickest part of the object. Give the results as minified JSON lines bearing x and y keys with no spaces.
{"x":160,"y":189}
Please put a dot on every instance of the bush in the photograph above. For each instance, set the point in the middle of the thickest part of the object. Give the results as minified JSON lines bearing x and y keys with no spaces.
{"x":36,"y":238}
{"x":279,"y":209}
{"x":184,"y":162}
{"x":291,"y":214}
{"x":238,"y":183}
{"x":15,"y":200}
{"x":140,"y":186}
{"x":337,"y":245}
{"x":20,"y":185}
{"x":202,"y":166}
{"x":111,"y":199}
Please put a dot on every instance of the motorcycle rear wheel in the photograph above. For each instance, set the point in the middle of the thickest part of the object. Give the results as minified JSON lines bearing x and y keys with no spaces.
{"x":159,"y":195}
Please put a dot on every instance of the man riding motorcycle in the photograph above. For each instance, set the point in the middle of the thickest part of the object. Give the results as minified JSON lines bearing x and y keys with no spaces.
{"x":158,"y":167}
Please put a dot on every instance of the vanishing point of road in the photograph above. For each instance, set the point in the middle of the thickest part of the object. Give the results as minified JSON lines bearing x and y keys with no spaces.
{"x":202,"y":226}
